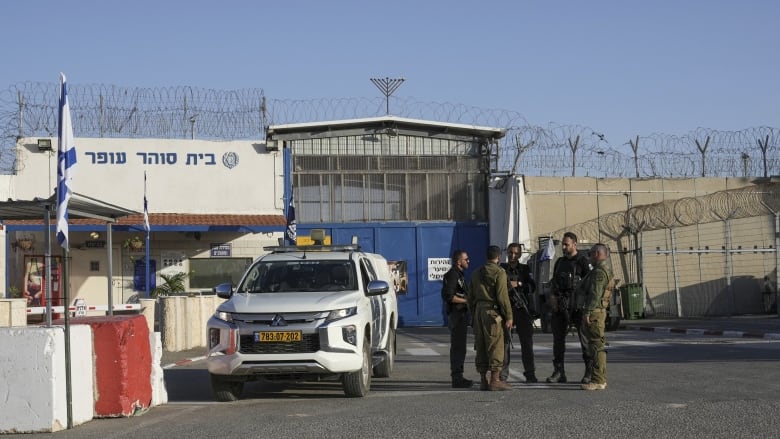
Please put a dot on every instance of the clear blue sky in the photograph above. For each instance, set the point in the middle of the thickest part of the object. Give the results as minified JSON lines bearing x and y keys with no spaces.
{"x":622,"y":67}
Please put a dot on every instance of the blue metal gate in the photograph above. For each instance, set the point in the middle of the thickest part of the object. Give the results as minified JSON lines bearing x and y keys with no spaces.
{"x":416,"y":246}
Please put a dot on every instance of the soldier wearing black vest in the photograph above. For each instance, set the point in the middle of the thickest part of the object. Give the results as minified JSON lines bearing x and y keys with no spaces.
{"x":521,"y":288}
{"x":568,"y":271}
{"x":453,"y":293}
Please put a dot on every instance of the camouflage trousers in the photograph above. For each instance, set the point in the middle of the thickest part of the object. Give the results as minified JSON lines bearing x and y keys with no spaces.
{"x":488,"y":339}
{"x":593,"y":336}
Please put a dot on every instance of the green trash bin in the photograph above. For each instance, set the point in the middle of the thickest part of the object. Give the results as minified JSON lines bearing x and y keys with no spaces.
{"x":632,"y":296}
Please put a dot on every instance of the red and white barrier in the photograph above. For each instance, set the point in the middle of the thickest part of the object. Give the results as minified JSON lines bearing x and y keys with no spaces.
{"x":59,"y":309}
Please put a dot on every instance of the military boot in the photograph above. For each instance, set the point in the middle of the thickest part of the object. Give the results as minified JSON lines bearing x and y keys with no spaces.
{"x":558,"y":376}
{"x":530,"y":377}
{"x":458,"y":382}
{"x":496,"y":383}
{"x":483,"y":384}
{"x":593,"y":386}
{"x":586,"y":379}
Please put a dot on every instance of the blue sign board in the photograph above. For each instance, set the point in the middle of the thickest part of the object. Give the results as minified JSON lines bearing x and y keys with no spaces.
{"x":139,"y":275}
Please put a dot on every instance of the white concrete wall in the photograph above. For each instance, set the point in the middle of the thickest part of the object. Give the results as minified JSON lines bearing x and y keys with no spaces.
{"x":182,"y":180}
{"x":184,"y":321}
{"x":32,"y":378}
{"x":13,"y":312}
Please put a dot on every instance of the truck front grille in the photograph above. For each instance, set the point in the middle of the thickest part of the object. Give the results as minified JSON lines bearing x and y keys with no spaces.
{"x":310,"y":343}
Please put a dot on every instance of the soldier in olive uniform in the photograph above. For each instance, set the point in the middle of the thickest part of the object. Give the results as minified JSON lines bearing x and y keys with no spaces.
{"x":595,"y":302}
{"x":488,"y":300}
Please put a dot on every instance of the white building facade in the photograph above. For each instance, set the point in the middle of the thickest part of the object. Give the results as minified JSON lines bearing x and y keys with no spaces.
{"x":212,"y":207}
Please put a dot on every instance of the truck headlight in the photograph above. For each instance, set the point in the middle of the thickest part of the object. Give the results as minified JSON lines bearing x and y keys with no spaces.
{"x":338,"y":314}
{"x":224,"y":316}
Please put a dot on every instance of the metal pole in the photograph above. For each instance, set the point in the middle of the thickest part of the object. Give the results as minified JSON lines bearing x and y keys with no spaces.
{"x":100,"y":121}
{"x":68,"y":377}
{"x":185,"y":116}
{"x":676,"y":274}
{"x":21,"y":110}
{"x":729,"y":268}
{"x":110,"y":245}
{"x":147,"y":273}
{"x":47,"y":263}
{"x":639,"y":240}
{"x":147,"y":262}
{"x":777,"y":261}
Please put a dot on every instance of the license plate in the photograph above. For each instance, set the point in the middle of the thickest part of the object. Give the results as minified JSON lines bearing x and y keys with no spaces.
{"x":278,"y":336}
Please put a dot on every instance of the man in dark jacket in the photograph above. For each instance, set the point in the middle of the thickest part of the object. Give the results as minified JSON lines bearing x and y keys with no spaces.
{"x":453,"y":293}
{"x":521,"y":288}
{"x":568,"y":271}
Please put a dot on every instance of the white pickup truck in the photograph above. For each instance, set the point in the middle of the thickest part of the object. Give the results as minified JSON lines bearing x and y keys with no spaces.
{"x":305,"y":313}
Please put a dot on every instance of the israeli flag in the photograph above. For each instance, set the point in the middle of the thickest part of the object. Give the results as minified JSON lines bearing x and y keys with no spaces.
{"x":290,"y":235}
{"x":549,"y":251}
{"x":66,"y":164}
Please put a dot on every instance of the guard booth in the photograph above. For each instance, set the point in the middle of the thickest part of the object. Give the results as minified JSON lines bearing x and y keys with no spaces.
{"x":411,"y":190}
{"x":20,"y":216}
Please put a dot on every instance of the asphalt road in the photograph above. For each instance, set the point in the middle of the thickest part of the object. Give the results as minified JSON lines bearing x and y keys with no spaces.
{"x":659,"y":385}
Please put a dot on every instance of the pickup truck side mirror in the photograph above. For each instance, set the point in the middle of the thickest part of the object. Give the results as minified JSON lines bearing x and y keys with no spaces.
{"x":224,"y":291}
{"x":377,"y":287}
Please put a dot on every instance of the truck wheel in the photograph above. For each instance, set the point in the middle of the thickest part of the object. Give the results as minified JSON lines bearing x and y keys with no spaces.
{"x":357,"y":383}
{"x":226,"y":390}
{"x":385,"y":368}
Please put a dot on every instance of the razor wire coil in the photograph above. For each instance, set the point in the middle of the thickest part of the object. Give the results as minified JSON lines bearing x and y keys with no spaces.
{"x":30,"y":109}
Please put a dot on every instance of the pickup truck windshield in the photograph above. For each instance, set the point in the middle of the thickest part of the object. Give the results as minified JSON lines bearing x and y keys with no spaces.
{"x":299,"y":275}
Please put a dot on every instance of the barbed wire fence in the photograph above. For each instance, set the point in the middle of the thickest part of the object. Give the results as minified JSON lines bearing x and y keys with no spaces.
{"x":721,"y":245}
{"x":29,"y":109}
{"x":746,"y":202}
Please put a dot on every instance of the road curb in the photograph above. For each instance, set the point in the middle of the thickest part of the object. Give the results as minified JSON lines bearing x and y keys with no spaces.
{"x":706,"y":332}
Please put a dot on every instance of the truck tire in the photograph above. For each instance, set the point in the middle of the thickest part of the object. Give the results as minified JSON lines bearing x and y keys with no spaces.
{"x":225,"y":389}
{"x":385,"y":368}
{"x":358,"y":383}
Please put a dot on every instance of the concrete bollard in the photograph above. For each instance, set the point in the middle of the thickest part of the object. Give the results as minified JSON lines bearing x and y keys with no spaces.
{"x":148,"y":310}
{"x":32,"y":378}
{"x":159,"y":392}
{"x":13,"y":312}
{"x":123,"y":364}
